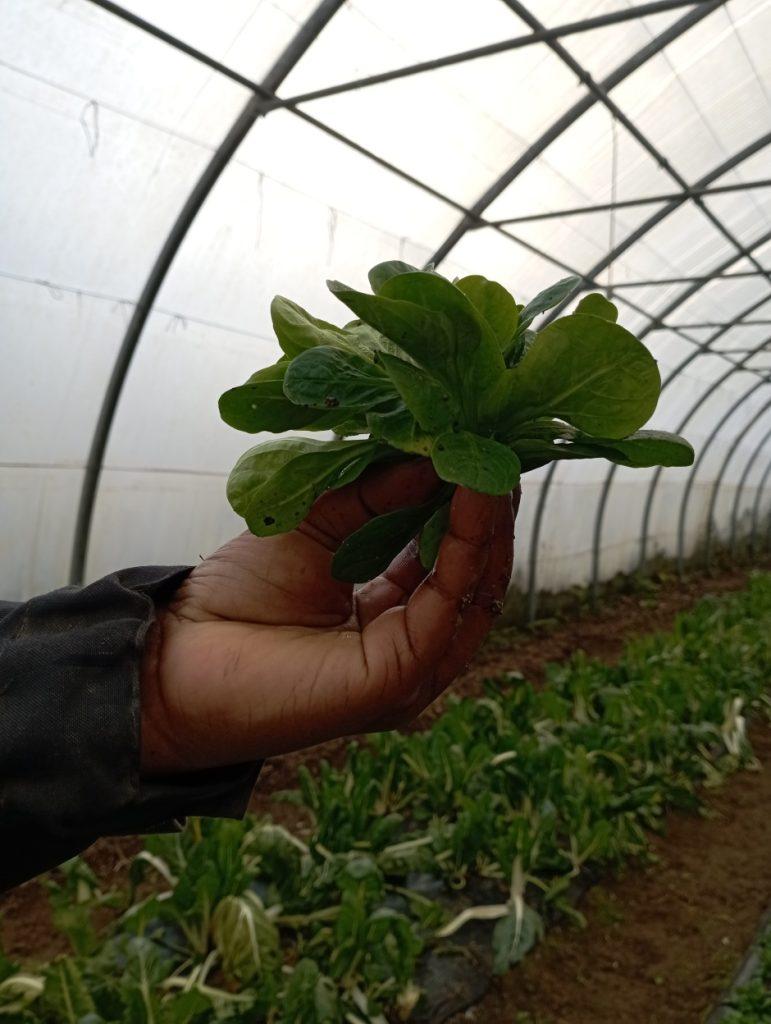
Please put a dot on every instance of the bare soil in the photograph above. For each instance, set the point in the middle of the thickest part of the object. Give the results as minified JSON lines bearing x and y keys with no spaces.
{"x":660,"y":942}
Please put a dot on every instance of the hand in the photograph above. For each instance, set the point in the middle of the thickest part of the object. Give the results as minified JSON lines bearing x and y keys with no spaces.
{"x":262,"y":652}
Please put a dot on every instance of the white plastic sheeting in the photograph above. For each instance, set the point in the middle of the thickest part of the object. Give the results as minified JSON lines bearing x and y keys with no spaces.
{"x":106,"y":129}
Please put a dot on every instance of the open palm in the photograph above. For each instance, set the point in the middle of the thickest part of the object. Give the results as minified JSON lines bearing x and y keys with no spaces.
{"x":262,"y":651}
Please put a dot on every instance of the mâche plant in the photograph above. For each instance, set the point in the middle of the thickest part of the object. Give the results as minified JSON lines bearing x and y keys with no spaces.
{"x":447,"y":370}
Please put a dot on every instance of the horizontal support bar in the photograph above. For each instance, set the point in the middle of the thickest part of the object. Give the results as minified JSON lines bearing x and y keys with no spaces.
{"x":707,"y":323}
{"x":502,"y":46}
{"x":705,"y":278}
{"x":625,"y":204}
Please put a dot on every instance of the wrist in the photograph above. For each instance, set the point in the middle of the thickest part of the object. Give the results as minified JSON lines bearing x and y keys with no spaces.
{"x":157,"y":755}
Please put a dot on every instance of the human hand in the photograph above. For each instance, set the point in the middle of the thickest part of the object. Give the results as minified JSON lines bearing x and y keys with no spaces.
{"x":262,"y":652}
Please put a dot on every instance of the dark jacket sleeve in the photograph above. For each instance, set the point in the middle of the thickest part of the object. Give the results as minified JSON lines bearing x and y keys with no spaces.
{"x":70,"y":721}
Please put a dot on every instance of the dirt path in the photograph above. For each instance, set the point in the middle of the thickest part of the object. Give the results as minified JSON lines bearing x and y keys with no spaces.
{"x":661,"y":944}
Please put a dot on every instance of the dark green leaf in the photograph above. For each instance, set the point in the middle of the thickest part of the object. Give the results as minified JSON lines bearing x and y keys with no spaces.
{"x":400,"y":429}
{"x":477,"y":462}
{"x":330,"y":378}
{"x":371,"y":549}
{"x":434,"y":323}
{"x":66,"y":992}
{"x":587,"y":371}
{"x":431,"y":535}
{"x":513,"y":938}
{"x":274,"y":485}
{"x":520,"y":347}
{"x":430,"y":402}
{"x":297,"y":330}
{"x":639,"y":450}
{"x":596,"y":304}
{"x":495,"y":304}
{"x":644,"y":448}
{"x":547,"y":299}
{"x":260,"y":404}
{"x":385,"y":271}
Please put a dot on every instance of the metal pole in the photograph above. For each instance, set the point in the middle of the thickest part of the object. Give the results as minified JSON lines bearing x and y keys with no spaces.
{"x":626,"y":204}
{"x":704,"y":347}
{"x":561,"y":125}
{"x":219,"y":161}
{"x":743,"y":480}
{"x":756,"y":509}
{"x":703,"y":278}
{"x":732,"y":448}
{"x":695,"y":468}
{"x":535,"y":535}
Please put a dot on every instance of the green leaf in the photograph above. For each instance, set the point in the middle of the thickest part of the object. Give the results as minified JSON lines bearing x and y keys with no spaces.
{"x":371,"y":549}
{"x":520,"y":347}
{"x":547,"y":299}
{"x":329,"y":378}
{"x":654,"y":448}
{"x":310,"y":997}
{"x":495,"y":304}
{"x":260,"y":404}
{"x":596,"y":304}
{"x":587,"y":371}
{"x":430,"y":402}
{"x":642,"y":449}
{"x":274,"y":485}
{"x":245,"y":937}
{"x":477,"y":462}
{"x":514,"y":936}
{"x":385,"y":271}
{"x":434,"y":323}
{"x":399,"y":429}
{"x":66,"y":992}
{"x":431,"y":536}
{"x":297,"y":330}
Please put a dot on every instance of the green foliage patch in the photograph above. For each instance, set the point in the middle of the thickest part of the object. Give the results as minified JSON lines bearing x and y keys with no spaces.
{"x":751,"y":1004}
{"x":517,"y":794}
{"x":449,"y":370}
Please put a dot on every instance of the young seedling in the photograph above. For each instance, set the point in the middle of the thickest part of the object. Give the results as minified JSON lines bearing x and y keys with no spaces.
{"x":450,"y":371}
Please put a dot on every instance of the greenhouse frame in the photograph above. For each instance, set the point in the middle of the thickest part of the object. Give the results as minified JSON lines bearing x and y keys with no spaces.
{"x":265,"y":146}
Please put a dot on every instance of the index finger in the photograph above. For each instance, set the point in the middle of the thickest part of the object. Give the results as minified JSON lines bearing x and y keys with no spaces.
{"x":419,"y":632}
{"x":380,"y":489}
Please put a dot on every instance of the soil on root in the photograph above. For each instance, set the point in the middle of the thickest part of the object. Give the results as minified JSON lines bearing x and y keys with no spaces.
{"x":661,"y":942}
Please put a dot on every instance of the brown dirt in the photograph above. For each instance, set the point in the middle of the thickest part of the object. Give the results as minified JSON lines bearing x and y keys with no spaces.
{"x":25,"y":924}
{"x":660,"y":944}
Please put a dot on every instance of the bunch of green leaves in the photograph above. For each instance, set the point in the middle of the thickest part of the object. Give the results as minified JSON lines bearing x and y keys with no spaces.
{"x":449,"y":370}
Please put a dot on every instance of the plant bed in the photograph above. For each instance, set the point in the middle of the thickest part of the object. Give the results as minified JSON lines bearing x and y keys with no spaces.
{"x":662,"y":941}
{"x":504,"y":803}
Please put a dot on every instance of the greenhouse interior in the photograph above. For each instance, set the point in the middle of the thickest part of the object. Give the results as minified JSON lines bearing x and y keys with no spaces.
{"x":385,"y":490}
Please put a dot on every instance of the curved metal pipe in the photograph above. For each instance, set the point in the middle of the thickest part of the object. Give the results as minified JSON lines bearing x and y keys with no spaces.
{"x":297,"y":47}
{"x":647,"y":510}
{"x":756,"y":509}
{"x":740,"y":487}
{"x":705,"y":347}
{"x":618,"y":250}
{"x":564,"y":122}
{"x":732,"y":449}
{"x":695,"y":468}
{"x":535,"y":534}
